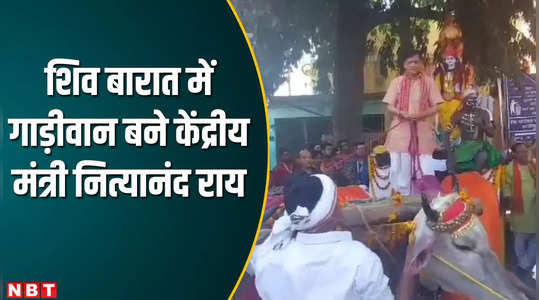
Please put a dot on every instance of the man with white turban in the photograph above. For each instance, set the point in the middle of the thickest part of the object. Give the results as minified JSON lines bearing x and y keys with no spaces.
{"x":305,"y":258}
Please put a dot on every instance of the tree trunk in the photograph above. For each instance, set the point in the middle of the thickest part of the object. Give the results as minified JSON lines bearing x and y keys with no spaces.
{"x":350,"y":57}
{"x":405,"y":35}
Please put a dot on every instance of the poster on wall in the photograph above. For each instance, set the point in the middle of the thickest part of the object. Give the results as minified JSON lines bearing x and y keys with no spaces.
{"x":521,"y":107}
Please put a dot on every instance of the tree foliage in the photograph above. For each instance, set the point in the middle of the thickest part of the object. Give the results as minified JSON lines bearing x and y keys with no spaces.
{"x":283,"y":30}
{"x":492,"y":42}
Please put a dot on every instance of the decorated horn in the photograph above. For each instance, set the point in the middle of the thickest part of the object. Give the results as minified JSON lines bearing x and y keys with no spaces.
{"x":456,"y":184}
{"x":431,"y":214}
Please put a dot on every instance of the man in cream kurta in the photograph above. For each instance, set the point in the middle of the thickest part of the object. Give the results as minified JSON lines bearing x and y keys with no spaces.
{"x":413,"y":119}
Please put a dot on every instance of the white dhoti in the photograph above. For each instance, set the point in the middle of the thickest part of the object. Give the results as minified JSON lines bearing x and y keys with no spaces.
{"x":439,"y":165}
{"x":401,"y":170}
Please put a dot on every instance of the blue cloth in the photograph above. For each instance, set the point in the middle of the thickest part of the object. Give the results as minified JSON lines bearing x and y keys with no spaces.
{"x":525,"y":250}
{"x":360,"y":172}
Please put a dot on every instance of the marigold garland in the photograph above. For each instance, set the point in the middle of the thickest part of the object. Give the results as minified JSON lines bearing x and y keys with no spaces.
{"x":397,"y":199}
{"x":410,"y":228}
{"x":466,"y":198}
{"x":371,"y":168}
{"x":371,"y":175}
{"x":397,"y":203}
{"x":393,"y":234}
{"x":499,"y":177}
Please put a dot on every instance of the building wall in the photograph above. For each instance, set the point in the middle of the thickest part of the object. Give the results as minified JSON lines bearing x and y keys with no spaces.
{"x":304,"y":107}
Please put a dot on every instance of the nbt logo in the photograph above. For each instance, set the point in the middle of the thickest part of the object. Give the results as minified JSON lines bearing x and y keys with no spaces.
{"x":44,"y":290}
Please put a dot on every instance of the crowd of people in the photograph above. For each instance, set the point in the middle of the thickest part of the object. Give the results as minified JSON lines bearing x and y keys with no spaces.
{"x":345,"y":163}
{"x":305,"y":257}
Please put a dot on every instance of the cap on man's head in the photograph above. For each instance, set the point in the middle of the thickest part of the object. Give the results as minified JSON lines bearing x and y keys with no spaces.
{"x":381,"y":149}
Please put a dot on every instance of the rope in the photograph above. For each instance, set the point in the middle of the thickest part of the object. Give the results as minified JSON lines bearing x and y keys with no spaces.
{"x":470,"y":278}
{"x":384,"y":135}
{"x":413,"y":146}
{"x":413,"y":149}
{"x":373,"y":233}
{"x":394,"y":126}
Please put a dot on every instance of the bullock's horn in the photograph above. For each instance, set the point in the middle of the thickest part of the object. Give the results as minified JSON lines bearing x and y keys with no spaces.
{"x":456,"y":184}
{"x":451,"y":160}
{"x":431,"y":214}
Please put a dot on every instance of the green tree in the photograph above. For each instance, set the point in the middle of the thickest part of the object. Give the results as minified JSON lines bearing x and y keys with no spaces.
{"x":337,"y":33}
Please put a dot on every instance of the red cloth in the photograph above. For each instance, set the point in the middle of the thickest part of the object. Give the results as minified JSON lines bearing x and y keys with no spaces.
{"x":518,"y":204}
{"x":329,"y":167}
{"x":351,"y":193}
{"x":453,"y":211}
{"x":345,"y":194}
{"x":451,"y":51}
{"x":274,"y":201}
{"x":403,"y":103}
{"x":280,"y":175}
{"x":477,"y":187}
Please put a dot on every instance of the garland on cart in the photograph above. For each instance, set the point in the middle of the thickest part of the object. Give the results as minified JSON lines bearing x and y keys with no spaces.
{"x":374,"y":176}
{"x":397,"y":203}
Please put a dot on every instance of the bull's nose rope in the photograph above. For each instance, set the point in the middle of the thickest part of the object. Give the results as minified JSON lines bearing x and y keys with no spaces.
{"x":470,"y":277}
